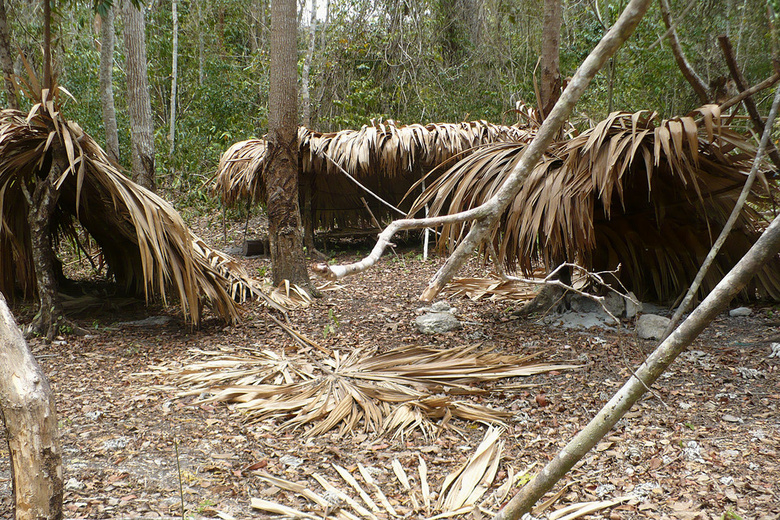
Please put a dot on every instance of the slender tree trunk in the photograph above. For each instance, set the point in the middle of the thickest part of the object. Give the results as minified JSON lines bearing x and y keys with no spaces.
{"x":107,"y":84}
{"x":281,"y":170}
{"x":305,"y":95}
{"x":138,"y":101}
{"x":30,"y":419}
{"x":550,"y":89}
{"x":201,"y":45}
{"x":47,"y":43}
{"x":174,"y":77}
{"x":6,"y":60}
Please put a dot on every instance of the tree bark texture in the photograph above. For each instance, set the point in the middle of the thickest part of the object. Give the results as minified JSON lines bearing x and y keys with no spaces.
{"x":679,"y":56}
{"x":550,"y":88}
{"x":305,"y":94}
{"x":647,"y":373}
{"x":30,"y":419}
{"x":107,"y":84}
{"x":6,"y":60}
{"x":42,"y":203}
{"x":138,"y":101}
{"x":281,"y":170}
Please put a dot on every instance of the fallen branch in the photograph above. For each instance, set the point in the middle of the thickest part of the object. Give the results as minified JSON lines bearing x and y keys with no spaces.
{"x":694,"y":288}
{"x":648,"y":372}
{"x":486,"y":215}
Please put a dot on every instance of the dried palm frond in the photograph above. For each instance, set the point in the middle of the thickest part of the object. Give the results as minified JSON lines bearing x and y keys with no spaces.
{"x":460,"y":491}
{"x":389,"y":393}
{"x":385,"y":157}
{"x":142,"y":239}
{"x":648,"y":194}
{"x":494,"y":289}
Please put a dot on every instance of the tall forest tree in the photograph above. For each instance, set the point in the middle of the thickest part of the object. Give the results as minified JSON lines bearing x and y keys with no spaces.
{"x":549,"y":60}
{"x":107,"y":82}
{"x":281,"y":171}
{"x":139,"y":104}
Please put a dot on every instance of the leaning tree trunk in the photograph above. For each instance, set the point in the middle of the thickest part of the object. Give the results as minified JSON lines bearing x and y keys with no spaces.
{"x":139,"y":104}
{"x":41,"y":205}
{"x":30,"y":419}
{"x":107,"y":84}
{"x":6,"y":61}
{"x":281,"y":170}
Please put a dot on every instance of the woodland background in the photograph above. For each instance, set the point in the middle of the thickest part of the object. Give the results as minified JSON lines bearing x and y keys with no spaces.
{"x":411,"y":61}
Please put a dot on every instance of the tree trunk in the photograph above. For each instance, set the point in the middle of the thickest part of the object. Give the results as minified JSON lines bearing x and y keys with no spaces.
{"x":550,"y":89}
{"x":174,"y":78}
{"x":41,"y":205}
{"x":47,"y":44}
{"x":305,"y":95}
{"x":107,"y":84}
{"x":6,"y":60}
{"x":138,"y":102}
{"x":281,"y":170}
{"x":716,"y":302}
{"x":30,"y":419}
{"x":201,"y":44}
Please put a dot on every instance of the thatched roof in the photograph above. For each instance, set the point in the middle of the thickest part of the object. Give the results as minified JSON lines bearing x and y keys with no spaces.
{"x":386,"y":158}
{"x":142,"y":239}
{"x":648,"y":194}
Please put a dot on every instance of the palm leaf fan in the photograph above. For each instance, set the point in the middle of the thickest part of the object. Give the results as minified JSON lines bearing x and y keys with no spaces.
{"x":650,"y":195}
{"x":143,"y":240}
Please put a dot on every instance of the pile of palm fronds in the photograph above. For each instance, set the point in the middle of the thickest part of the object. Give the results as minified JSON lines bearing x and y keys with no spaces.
{"x":386,"y":158}
{"x":390,"y":393}
{"x":647,"y":194}
{"x":144,"y":242}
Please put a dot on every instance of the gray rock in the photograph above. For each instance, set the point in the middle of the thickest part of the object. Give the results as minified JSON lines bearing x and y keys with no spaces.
{"x":440,"y":306}
{"x":151,"y":321}
{"x":651,"y":326}
{"x":632,"y":309}
{"x":579,"y":320}
{"x":583,"y":304}
{"x":740,"y":311}
{"x":436,"y":322}
{"x":615,"y":304}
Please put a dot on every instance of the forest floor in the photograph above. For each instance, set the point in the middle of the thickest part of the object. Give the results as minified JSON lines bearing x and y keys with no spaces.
{"x":704,"y":444}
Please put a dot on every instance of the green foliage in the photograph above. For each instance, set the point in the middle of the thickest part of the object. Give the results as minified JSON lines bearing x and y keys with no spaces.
{"x":432,"y":60}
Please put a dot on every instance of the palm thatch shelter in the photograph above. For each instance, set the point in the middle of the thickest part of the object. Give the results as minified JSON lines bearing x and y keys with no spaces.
{"x":142,"y":240}
{"x":635,"y":191}
{"x":386,"y":158}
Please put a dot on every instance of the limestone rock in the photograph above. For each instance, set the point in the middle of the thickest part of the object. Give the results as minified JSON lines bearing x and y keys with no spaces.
{"x":740,"y":311}
{"x":436,"y":322}
{"x":651,"y":326}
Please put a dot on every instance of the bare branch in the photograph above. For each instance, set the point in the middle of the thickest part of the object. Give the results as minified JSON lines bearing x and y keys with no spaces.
{"x":762,"y":146}
{"x":679,"y":56}
{"x":750,"y":105}
{"x":647,"y":373}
